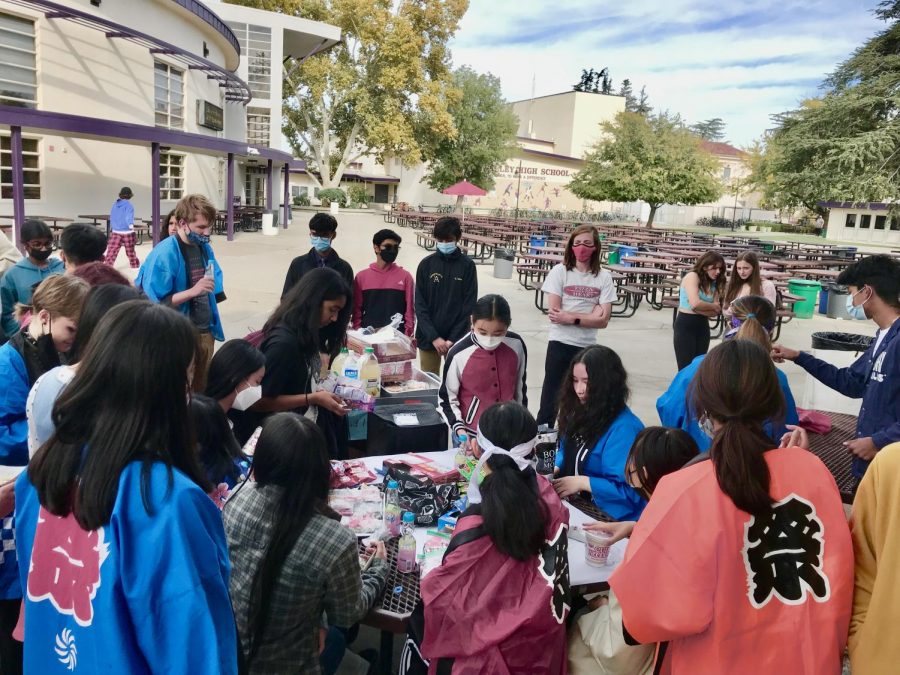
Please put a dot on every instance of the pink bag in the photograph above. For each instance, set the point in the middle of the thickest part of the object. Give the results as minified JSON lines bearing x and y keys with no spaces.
{"x":814,"y":421}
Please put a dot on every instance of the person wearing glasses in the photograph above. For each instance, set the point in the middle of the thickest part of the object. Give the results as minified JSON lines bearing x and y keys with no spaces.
{"x":384,"y":289}
{"x":21,"y":279}
{"x":580,"y":294}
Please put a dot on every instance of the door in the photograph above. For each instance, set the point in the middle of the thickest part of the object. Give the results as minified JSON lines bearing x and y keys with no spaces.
{"x":381,"y":193}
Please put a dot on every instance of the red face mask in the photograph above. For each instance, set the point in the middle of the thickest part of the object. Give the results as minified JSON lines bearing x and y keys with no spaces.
{"x":582,"y":253}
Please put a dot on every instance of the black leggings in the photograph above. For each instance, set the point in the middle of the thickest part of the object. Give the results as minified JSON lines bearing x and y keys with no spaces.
{"x":10,"y":648}
{"x":691,"y":337}
{"x":559,"y":359}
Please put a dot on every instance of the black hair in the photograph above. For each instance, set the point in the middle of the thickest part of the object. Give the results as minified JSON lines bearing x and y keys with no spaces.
{"x":492,"y":308}
{"x":35,"y":229}
{"x":82,"y":243}
{"x":737,"y":386}
{"x":291,"y":456}
{"x":164,"y":230}
{"x":880,"y":272}
{"x":607,"y":395}
{"x":383,"y":235}
{"x":657,"y":452}
{"x":234,"y":362}
{"x":126,"y":403}
{"x":323,"y":222}
{"x":217,"y":448}
{"x":515,"y":516}
{"x":300,"y":310}
{"x":99,"y":300}
{"x":447,"y":227}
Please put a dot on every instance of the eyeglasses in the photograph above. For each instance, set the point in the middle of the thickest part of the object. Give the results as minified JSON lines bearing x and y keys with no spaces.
{"x":42,"y":245}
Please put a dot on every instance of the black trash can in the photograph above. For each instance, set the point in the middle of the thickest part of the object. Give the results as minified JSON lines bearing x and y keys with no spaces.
{"x":841,"y":342}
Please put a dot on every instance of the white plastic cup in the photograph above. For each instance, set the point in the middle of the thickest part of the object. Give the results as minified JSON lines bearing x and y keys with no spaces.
{"x":596,"y":548}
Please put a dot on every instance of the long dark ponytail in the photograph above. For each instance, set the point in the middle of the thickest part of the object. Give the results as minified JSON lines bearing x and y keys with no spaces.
{"x":291,"y":455}
{"x":736,"y":385}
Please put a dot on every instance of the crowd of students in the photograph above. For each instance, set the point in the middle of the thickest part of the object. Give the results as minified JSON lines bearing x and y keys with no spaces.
{"x":141,"y":532}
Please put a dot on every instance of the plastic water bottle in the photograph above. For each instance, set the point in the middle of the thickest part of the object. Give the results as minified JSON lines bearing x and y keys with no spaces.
{"x":392,"y":511}
{"x":406,"y":547}
{"x":210,"y":272}
{"x":351,"y":366}
{"x":370,"y":372}
{"x":337,"y":366}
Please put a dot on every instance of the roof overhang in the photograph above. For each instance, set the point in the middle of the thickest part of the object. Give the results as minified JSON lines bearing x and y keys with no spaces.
{"x":872,"y":206}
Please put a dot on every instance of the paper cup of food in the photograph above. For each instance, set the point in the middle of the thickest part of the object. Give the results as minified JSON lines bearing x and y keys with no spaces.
{"x":596,"y":548}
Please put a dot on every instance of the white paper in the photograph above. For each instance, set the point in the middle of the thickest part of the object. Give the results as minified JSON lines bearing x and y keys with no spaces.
{"x":406,"y":419}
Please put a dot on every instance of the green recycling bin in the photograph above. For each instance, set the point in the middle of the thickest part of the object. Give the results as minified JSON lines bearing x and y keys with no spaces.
{"x":614,"y":255}
{"x":808,"y":290}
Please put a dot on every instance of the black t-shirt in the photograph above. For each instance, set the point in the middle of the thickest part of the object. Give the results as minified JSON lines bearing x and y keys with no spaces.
{"x":200,"y":313}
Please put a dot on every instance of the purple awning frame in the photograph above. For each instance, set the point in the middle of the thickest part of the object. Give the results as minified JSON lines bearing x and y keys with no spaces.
{"x":236,"y":90}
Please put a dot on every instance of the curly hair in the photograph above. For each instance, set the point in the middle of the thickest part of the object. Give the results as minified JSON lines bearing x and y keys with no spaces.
{"x":607,"y":395}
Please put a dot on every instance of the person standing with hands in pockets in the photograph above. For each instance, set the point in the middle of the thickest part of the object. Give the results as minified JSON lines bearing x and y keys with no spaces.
{"x":874,"y":286}
{"x":580,"y":294}
{"x":446,"y":292}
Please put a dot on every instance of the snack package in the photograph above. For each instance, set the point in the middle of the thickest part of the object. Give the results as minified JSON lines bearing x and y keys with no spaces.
{"x":360,"y":508}
{"x":422,"y":465}
{"x":350,"y":473}
{"x":389,"y":344}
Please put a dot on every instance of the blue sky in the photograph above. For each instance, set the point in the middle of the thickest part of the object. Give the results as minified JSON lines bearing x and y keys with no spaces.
{"x":741,"y":61}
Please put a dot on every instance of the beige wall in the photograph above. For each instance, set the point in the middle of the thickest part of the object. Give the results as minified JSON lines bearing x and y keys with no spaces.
{"x":838,"y":230}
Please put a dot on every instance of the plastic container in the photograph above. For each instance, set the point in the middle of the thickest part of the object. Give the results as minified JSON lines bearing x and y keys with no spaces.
{"x":392,"y":511}
{"x":624,"y":252}
{"x":406,"y":547}
{"x":392,"y":395}
{"x":824,"y":294}
{"x":398,"y":371}
{"x":370,"y":372}
{"x":351,"y":366}
{"x":837,"y":302}
{"x":536,"y":242}
{"x":503,"y":263}
{"x":808,"y":290}
{"x":337,"y":366}
{"x":269,"y":224}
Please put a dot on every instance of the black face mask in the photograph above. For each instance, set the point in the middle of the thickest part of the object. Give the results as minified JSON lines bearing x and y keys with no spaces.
{"x":39,"y":254}
{"x":389,"y":255}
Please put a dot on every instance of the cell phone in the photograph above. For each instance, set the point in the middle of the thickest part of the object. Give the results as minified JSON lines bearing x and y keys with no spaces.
{"x":576,"y":534}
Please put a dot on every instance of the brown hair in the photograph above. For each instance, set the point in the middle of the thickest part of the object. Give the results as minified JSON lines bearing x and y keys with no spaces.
{"x":61,"y":294}
{"x":569,"y":255}
{"x":699,"y":268}
{"x":99,"y":273}
{"x":757,"y":316}
{"x":191,"y":206}
{"x":737,"y":386}
{"x":735,"y":283}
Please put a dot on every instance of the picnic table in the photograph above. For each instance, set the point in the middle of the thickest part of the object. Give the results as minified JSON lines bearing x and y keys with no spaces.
{"x":401,"y":594}
{"x":644,"y":282}
{"x":482,"y":246}
{"x":829,"y":448}
{"x":52,"y":221}
{"x":818,"y":273}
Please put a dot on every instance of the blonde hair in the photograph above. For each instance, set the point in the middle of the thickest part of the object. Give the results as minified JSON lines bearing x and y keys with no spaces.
{"x":190,"y":206}
{"x":61,"y":295}
{"x":757,"y":316}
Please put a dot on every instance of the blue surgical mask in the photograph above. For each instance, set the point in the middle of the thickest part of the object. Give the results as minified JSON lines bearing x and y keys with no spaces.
{"x":321,"y":244}
{"x":857,"y":312}
{"x":446,"y":247}
{"x":195,"y":238}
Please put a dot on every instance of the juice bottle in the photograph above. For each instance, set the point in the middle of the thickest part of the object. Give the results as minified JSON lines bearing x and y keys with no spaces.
{"x":351,"y":366}
{"x":370,"y":372}
{"x":337,"y":366}
{"x":406,"y":547}
{"x":392,"y":512}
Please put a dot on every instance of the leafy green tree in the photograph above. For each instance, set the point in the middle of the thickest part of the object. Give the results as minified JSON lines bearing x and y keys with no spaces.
{"x":625,"y":90}
{"x":844,"y":145}
{"x":651,"y":159}
{"x":712,"y":129}
{"x":485,"y":134}
{"x":383,"y":90}
{"x":643,"y":106}
{"x":596,"y":82}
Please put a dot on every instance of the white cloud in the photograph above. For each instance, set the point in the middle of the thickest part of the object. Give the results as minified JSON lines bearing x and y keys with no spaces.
{"x":698,"y":58}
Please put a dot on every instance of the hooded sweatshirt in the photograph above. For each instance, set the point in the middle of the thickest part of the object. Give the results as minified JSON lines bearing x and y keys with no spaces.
{"x":378,"y":294}
{"x":446,"y":292}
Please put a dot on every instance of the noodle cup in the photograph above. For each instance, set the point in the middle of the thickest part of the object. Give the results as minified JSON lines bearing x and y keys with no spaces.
{"x":596,"y":548}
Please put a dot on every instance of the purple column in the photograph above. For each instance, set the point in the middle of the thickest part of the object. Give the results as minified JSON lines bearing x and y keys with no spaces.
{"x":229,"y":197}
{"x":154,"y":193}
{"x":287,"y":195}
{"x":18,"y":184}
{"x":269,"y":187}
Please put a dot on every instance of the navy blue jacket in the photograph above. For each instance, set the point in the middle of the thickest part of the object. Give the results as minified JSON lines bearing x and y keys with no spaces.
{"x":875,"y":378}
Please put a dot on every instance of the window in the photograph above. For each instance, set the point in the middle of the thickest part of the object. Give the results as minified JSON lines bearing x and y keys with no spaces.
{"x":880,"y":222}
{"x":168,"y":95}
{"x":865,"y":221}
{"x":895,"y":224}
{"x":171,"y":175}
{"x":31,"y":169}
{"x":726,"y":173}
{"x":851,"y":220}
{"x":258,"y":126}
{"x":299,"y":190}
{"x":18,"y":63}
{"x":256,"y":48}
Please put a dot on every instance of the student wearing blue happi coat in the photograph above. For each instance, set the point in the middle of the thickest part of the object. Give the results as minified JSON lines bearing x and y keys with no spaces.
{"x":124,"y":562}
{"x":874,"y":287}
{"x":597,"y":430}
{"x":752,"y":318}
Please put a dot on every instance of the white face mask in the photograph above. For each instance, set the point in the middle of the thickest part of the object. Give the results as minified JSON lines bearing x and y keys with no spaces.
{"x":247,"y":397}
{"x":489,"y":342}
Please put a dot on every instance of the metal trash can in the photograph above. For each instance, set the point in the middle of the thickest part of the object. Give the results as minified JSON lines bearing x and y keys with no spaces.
{"x":837,"y":302}
{"x":503,"y":263}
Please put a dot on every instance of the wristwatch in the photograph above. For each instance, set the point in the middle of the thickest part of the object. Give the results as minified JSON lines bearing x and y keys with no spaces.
{"x":577,"y":322}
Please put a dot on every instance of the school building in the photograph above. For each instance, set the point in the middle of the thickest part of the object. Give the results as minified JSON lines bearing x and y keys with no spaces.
{"x":169,"y":97}
{"x":863,"y":222}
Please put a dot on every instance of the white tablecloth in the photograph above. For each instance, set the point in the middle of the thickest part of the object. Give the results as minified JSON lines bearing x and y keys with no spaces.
{"x":580,"y":573}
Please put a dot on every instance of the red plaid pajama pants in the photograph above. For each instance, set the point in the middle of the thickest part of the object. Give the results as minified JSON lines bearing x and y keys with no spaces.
{"x":116,"y":241}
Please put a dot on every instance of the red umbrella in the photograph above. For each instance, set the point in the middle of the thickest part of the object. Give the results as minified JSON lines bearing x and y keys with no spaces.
{"x":466,"y":189}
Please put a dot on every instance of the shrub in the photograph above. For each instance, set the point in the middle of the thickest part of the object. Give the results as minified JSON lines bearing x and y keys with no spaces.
{"x":358,"y":195}
{"x":330,"y":195}
{"x":301,"y":200}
